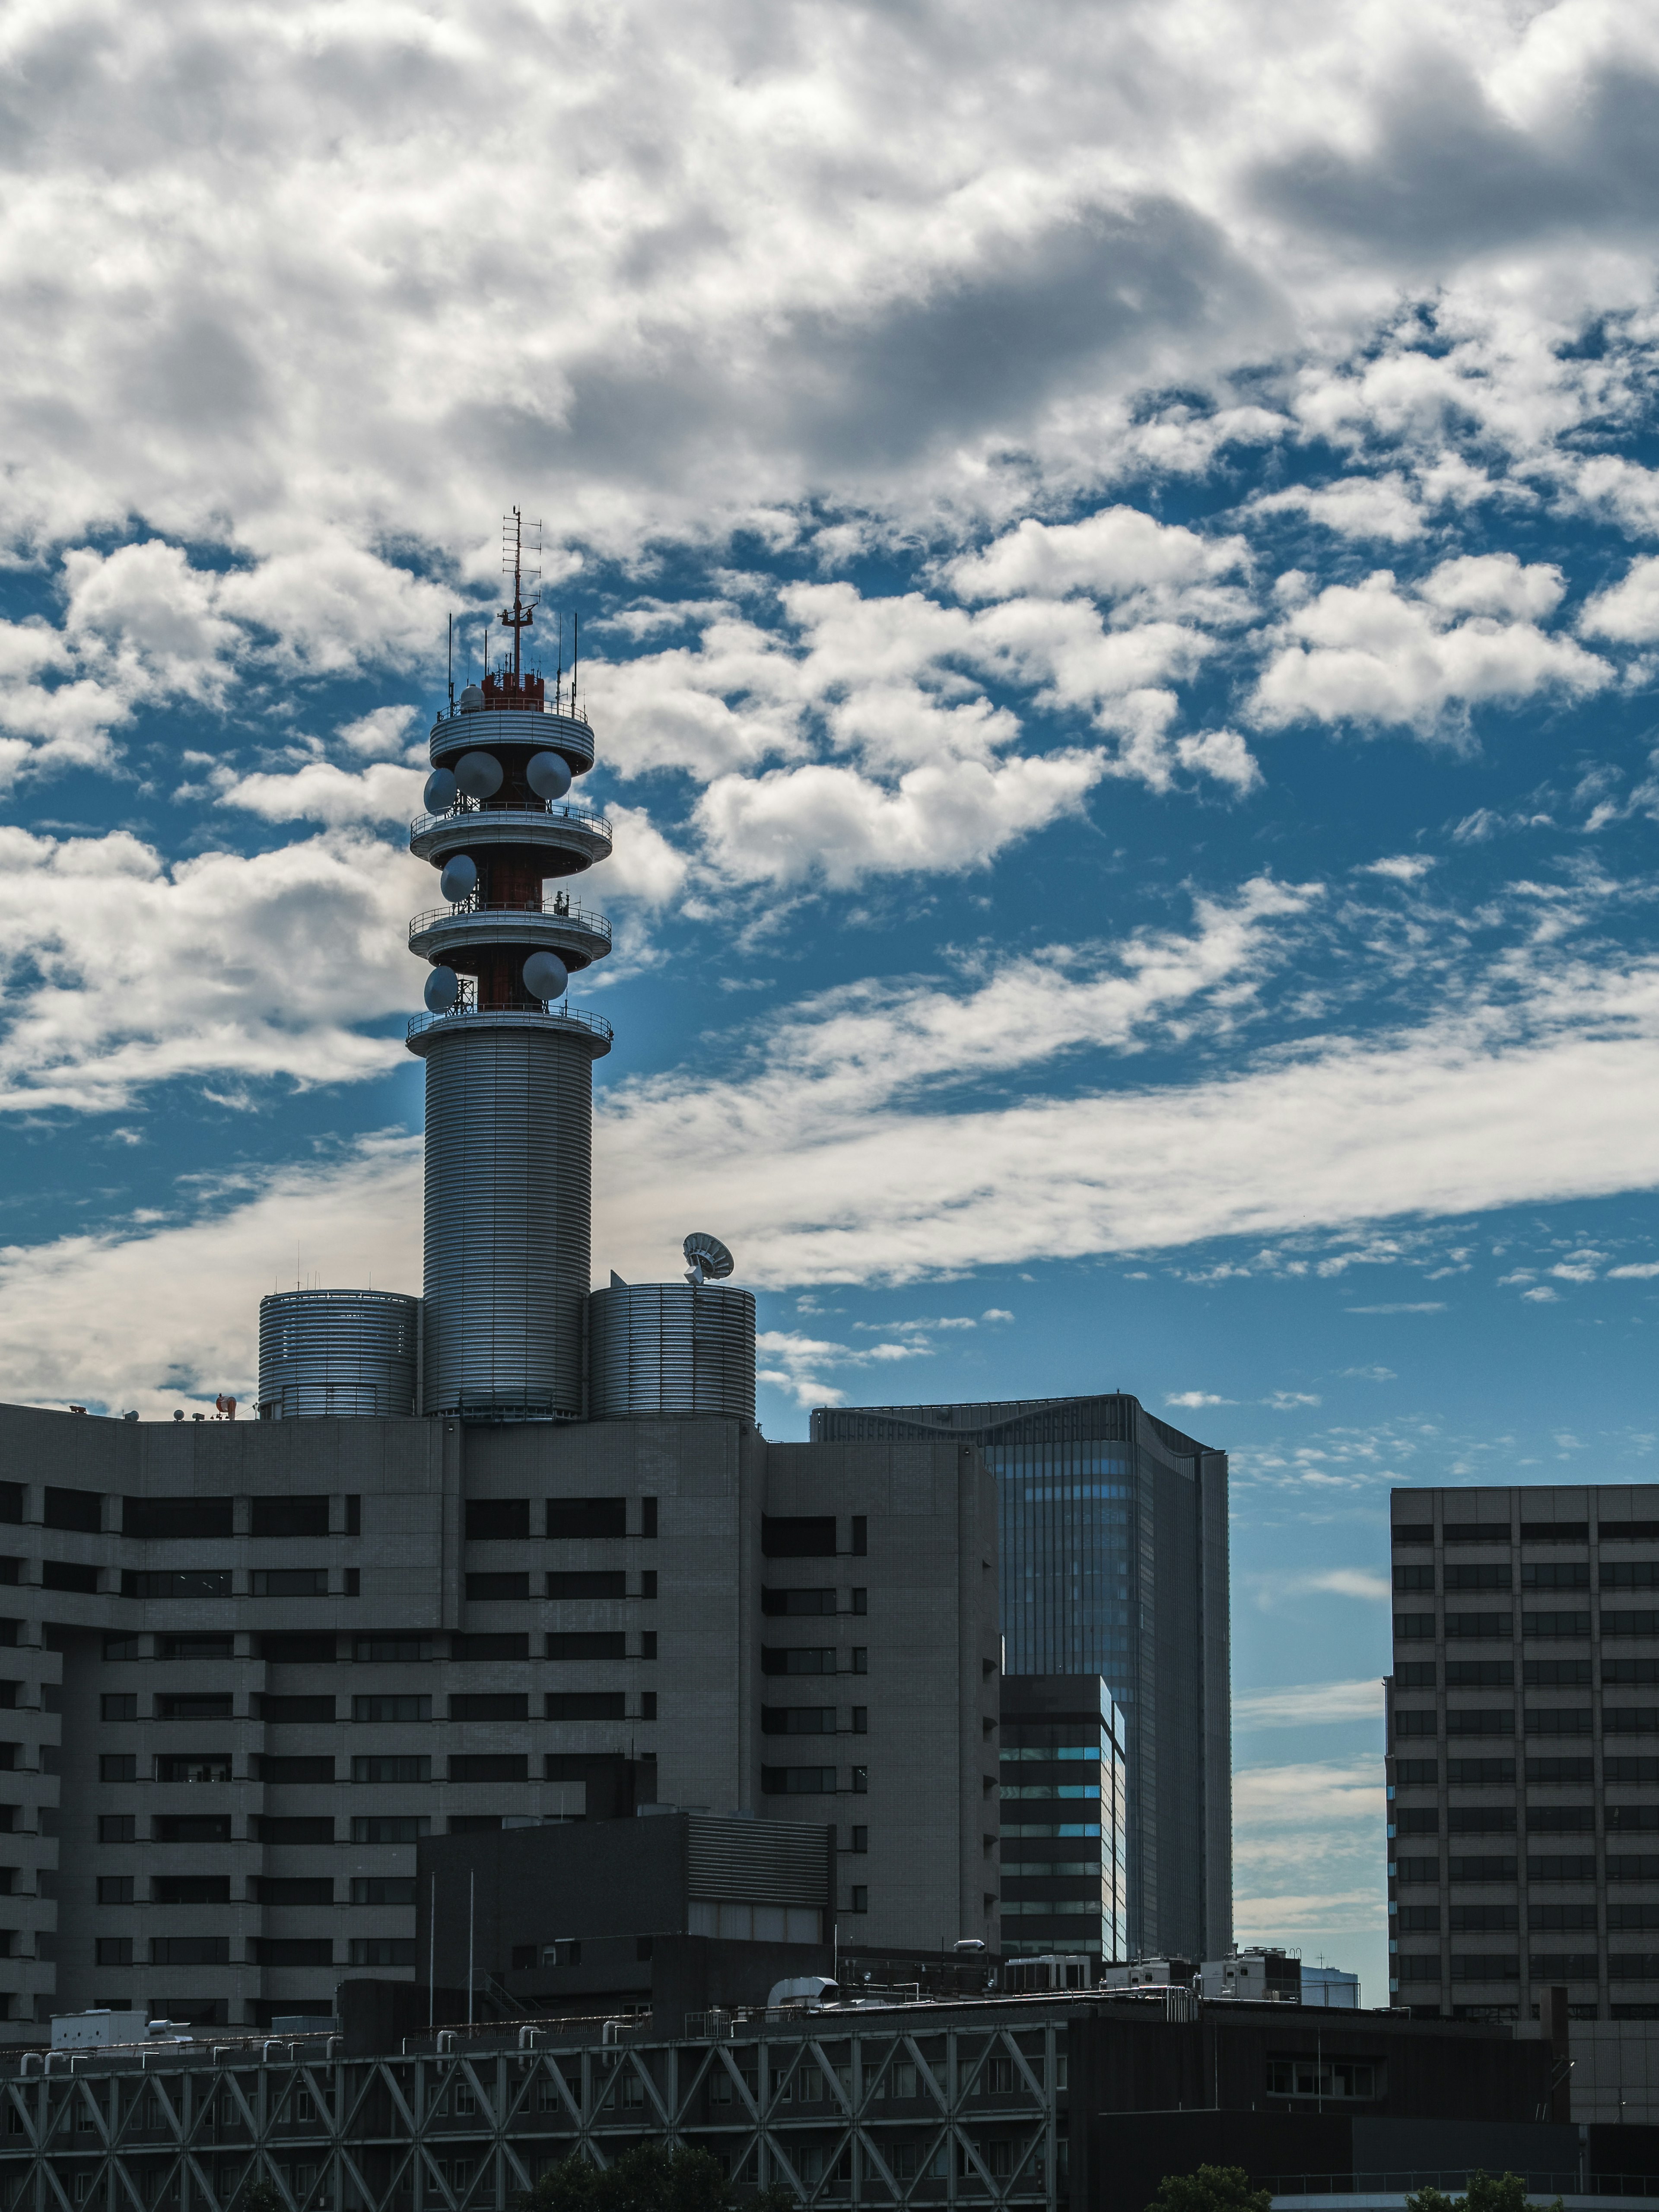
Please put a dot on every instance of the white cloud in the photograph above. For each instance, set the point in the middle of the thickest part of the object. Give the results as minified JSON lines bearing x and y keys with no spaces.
{"x":1117,"y":554}
{"x":1542,"y":1295}
{"x":1286,"y":1402}
{"x":320,"y":791}
{"x":1193,"y":1398}
{"x":1400,"y":868}
{"x":1307,"y":1704}
{"x":1627,"y":611}
{"x":1372,"y":654}
{"x":381,"y":733}
{"x":1642,"y":1271}
{"x":255,"y":968}
{"x":1365,"y":508}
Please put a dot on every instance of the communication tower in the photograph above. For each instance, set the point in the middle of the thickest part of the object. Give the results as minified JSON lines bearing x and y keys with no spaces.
{"x":509,"y":1061}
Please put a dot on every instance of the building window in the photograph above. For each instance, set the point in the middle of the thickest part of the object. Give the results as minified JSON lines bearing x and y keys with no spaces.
{"x":498,"y":1520}
{"x":290,"y":1582}
{"x":860,"y":1720}
{"x":494,"y":1588}
{"x":115,"y":1827}
{"x":382,"y":1889}
{"x":797,"y":1604}
{"x":585,"y":1520}
{"x":404,"y":1708}
{"x":390,"y":1827}
{"x":591,"y":1583}
{"x":860,"y":1535}
{"x":117,"y":1767}
{"x":386,"y":1651}
{"x":647,"y":1516}
{"x":289,"y":1514}
{"x":797,"y":1536}
{"x":394,"y":1766}
{"x":113,"y":1951}
{"x":387,"y":1951}
{"x":119,"y":1705}
{"x":858,"y":1839}
{"x":858,"y":1898}
{"x":576,"y":1645}
{"x":797,"y":1781}
{"x":490,"y":1766}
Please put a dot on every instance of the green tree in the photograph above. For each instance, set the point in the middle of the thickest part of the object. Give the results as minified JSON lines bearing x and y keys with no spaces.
{"x":1487,"y":2192}
{"x":649,"y":2179}
{"x":1211,"y":2189}
{"x":261,"y":2196}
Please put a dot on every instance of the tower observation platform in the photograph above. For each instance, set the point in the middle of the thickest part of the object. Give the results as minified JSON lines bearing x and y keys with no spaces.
{"x":509,"y":1061}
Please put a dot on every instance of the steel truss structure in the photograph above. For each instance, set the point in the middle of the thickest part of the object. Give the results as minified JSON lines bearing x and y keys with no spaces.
{"x":891,"y":2114}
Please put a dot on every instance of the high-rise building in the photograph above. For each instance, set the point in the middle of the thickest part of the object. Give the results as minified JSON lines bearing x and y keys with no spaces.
{"x":1065,"y":1817}
{"x":1114,"y":1547}
{"x":511,"y":1552}
{"x":1523,"y":1752}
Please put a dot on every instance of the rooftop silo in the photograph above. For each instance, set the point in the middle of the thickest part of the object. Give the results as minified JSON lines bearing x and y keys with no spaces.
{"x":667,"y":1348}
{"x":338,"y":1351}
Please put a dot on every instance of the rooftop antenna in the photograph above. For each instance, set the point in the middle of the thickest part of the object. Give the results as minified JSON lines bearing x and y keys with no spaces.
{"x":710,"y":1261}
{"x":575,"y":655}
{"x":522,"y":613}
{"x":452,"y":662}
{"x":558,"y":681}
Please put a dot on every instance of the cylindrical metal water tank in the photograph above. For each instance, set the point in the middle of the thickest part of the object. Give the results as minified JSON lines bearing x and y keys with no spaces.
{"x":338,"y":1351}
{"x":670,"y":1348}
{"x":509,"y":1129}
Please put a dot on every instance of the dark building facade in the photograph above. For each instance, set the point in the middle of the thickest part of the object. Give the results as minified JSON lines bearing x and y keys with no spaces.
{"x":1065,"y":1817}
{"x":1523,"y":1752}
{"x":1113,"y":1549}
{"x":1044,"y":2103}
{"x":245,"y":1668}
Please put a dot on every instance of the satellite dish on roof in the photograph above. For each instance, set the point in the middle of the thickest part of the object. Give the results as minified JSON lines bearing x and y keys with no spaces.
{"x":710,"y":1261}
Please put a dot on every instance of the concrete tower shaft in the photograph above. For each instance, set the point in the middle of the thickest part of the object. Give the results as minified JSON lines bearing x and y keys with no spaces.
{"x":508,"y":1060}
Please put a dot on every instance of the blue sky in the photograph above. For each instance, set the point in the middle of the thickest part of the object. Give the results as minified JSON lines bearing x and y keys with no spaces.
{"x":1120,"y":592}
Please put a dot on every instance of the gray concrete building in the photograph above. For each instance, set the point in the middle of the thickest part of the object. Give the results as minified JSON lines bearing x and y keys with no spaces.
{"x":335,"y":1637}
{"x":1523,"y":1752}
{"x":250,"y":1665}
{"x":1113,"y":1546}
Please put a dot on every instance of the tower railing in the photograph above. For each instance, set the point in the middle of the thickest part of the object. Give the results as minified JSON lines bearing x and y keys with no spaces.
{"x":562,"y":810}
{"x":579,"y":917}
{"x":554,"y":1012}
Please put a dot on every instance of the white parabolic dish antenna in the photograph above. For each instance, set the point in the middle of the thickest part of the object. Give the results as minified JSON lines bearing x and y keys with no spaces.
{"x":710,"y":1261}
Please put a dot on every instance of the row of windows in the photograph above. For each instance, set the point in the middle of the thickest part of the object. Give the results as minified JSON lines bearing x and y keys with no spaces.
{"x":1549,"y":1769}
{"x":314,"y":1582}
{"x":1536,"y":1673}
{"x":1576,"y":1866}
{"x":1542,"y":1820}
{"x":262,"y":1951}
{"x":150,"y":1519}
{"x":1557,"y":1966}
{"x":394,"y":1766}
{"x":1532,"y":1532}
{"x":1499,"y":1627}
{"x":261,"y":1889}
{"x":1554,"y":1575}
{"x":402,"y":1707}
{"x":1425,"y":1919}
{"x":377,"y":1828}
{"x":1547,"y":1720}
{"x":378,"y":1650}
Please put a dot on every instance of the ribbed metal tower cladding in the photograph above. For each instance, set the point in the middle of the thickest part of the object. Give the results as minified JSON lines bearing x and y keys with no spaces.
{"x":509,"y":1076}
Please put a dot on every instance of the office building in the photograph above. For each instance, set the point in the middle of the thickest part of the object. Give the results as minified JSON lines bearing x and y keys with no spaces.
{"x":1114,"y":1543}
{"x":1065,"y":1819}
{"x":1523,"y":1752}
{"x":248,"y":1667}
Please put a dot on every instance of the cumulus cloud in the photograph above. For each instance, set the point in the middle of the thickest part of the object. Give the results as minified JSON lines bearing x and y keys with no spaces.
{"x":1357,"y":506}
{"x":1376,"y":653}
{"x":1119,"y":553}
{"x":1628,"y":611}
{"x":125,"y":972}
{"x":320,"y":791}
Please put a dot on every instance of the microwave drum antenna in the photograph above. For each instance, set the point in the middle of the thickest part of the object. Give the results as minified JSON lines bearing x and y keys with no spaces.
{"x":710,"y":1261}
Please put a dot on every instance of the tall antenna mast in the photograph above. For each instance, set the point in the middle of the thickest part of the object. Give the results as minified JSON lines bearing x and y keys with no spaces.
{"x":558,"y":681}
{"x":575,"y":655}
{"x":518,"y":617}
{"x":452,"y":663}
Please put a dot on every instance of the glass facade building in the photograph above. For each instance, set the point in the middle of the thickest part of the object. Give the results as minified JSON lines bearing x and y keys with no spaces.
{"x":1113,"y":1529}
{"x":1065,"y":1817}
